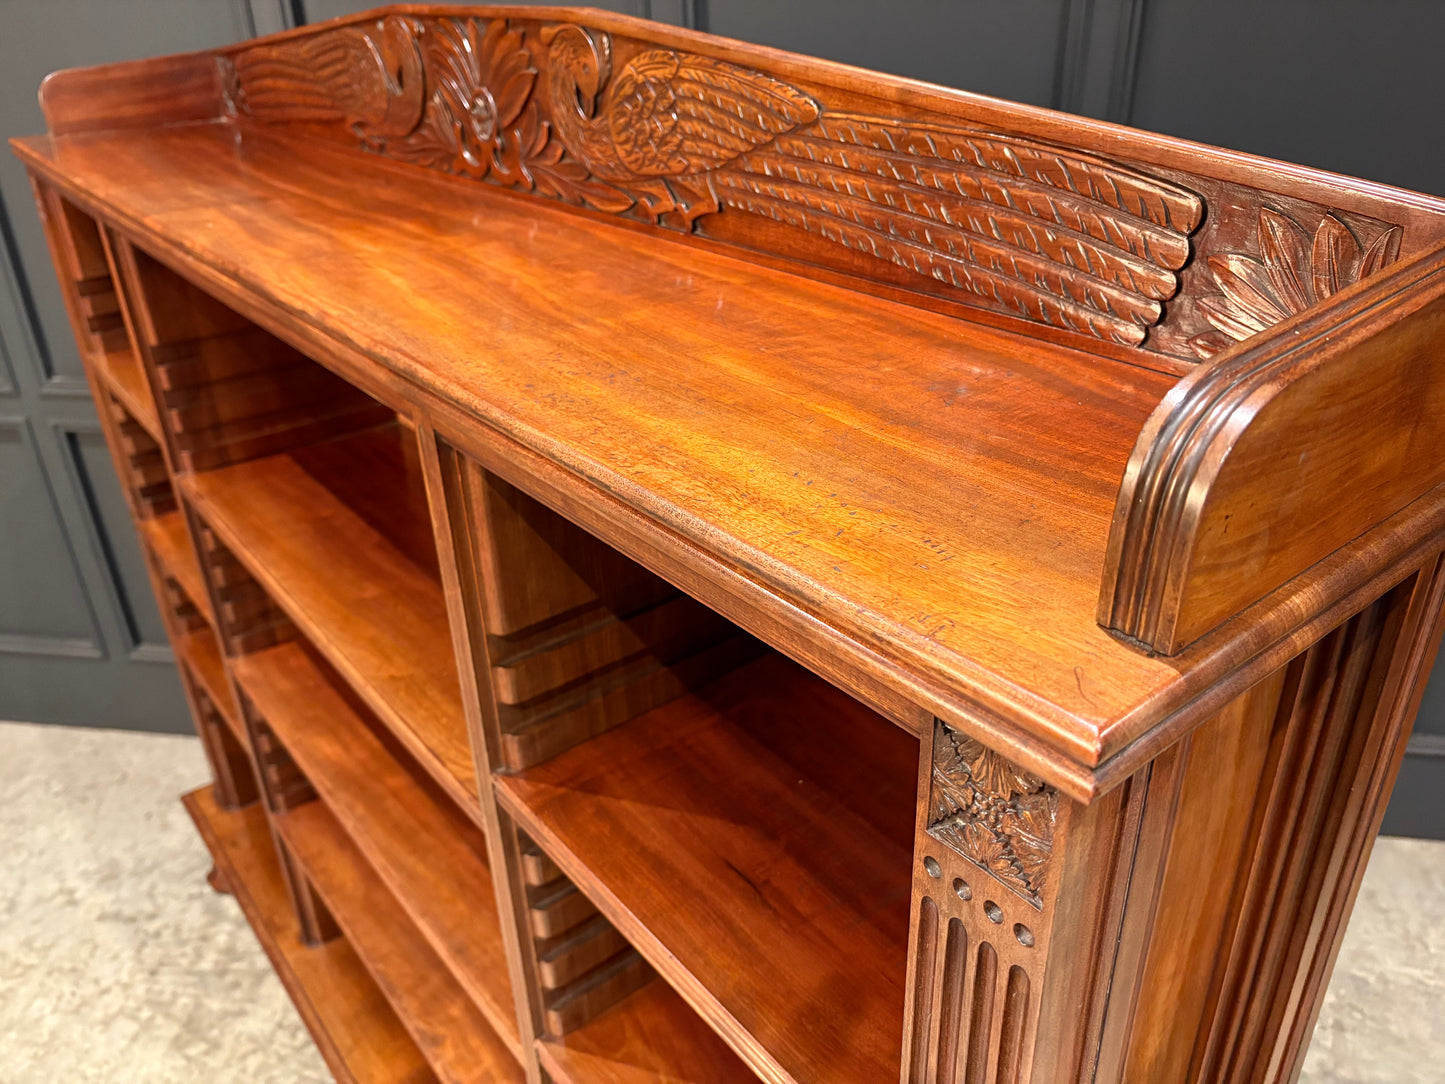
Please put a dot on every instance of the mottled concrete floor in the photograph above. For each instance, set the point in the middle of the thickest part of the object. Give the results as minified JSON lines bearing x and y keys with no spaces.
{"x":118,"y":963}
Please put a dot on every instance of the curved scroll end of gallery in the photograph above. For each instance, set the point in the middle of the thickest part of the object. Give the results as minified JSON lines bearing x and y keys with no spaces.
{"x":1260,"y":471}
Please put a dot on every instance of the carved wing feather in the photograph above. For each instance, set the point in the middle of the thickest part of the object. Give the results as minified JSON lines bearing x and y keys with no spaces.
{"x":669,"y":115}
{"x":980,"y":205}
{"x":311,"y":78}
{"x":1034,"y":210}
{"x":369,"y":78}
{"x":1148,"y":198}
{"x":998,"y":276}
{"x":1028,"y":229}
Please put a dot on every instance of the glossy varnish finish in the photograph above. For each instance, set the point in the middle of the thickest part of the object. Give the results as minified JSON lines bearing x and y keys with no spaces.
{"x":694,"y":563}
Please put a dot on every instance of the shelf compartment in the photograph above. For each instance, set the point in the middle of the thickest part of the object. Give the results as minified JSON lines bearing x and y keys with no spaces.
{"x":649,"y":1037}
{"x":171,"y":543}
{"x":228,"y":391}
{"x":579,"y":637}
{"x":354,"y":1027}
{"x":338,"y":535}
{"x":586,"y":648}
{"x":140,"y":463}
{"x":86,"y":274}
{"x":427,"y":856}
{"x":611,"y":697}
{"x":121,"y":370}
{"x":451,"y":1033}
{"x":753,"y":840}
{"x":199,"y":654}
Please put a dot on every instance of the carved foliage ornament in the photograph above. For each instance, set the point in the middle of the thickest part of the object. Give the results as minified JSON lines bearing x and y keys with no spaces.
{"x":1292,"y":272}
{"x":993,"y":813}
{"x":1033,"y":230}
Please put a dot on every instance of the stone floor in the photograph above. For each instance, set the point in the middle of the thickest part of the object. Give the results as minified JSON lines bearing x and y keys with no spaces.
{"x":119,"y":964}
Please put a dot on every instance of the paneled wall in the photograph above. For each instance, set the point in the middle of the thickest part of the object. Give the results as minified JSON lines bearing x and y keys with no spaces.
{"x":80,"y":639}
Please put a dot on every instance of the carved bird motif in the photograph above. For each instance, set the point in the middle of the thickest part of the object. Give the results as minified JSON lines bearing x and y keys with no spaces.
{"x":370,"y":78}
{"x":1034,"y":230}
{"x":665,"y":115}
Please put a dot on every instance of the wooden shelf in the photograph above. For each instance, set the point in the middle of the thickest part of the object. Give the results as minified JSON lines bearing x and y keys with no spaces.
{"x":122,"y":371}
{"x":429,"y":858}
{"x":649,"y":1036}
{"x":752,"y":887}
{"x":198,"y":650}
{"x":454,"y":1037}
{"x":338,"y":535}
{"x":171,"y":543}
{"x":358,"y":1034}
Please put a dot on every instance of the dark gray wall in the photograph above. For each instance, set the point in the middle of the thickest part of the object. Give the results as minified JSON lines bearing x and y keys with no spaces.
{"x":81,"y":641}
{"x":1348,"y":85}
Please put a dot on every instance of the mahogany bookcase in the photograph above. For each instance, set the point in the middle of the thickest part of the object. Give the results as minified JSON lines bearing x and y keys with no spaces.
{"x":692,"y":563}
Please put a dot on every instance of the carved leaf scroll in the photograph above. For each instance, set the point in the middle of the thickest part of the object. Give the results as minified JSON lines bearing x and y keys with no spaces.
{"x":992,"y":812}
{"x":1293,"y":271}
{"x":1041,"y":232}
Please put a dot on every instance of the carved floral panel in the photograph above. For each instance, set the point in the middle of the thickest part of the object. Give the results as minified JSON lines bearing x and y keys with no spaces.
{"x":992,"y":812}
{"x":1289,"y":270}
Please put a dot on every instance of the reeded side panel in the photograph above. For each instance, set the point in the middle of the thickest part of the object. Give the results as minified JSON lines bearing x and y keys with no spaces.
{"x":997,"y":850}
{"x":1280,"y":802}
{"x":1183,"y":926}
{"x":973,"y":989}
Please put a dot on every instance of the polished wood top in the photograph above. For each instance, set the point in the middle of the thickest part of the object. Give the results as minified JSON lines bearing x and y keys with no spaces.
{"x":917,"y":505}
{"x":939,"y":489}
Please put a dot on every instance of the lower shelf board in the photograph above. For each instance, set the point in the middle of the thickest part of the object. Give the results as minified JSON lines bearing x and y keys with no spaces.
{"x":198,"y":650}
{"x":453,"y":1036}
{"x":169,"y":539}
{"x":351,"y":1021}
{"x":122,"y":370}
{"x":413,"y":842}
{"x":649,"y":1037}
{"x":759,"y":894}
{"x":338,"y":535}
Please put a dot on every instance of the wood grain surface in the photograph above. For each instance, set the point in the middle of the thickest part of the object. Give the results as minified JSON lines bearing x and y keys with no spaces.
{"x":753,"y":887}
{"x":445,"y":887}
{"x":456,"y":1040}
{"x":355,"y":1029}
{"x":691,"y":563}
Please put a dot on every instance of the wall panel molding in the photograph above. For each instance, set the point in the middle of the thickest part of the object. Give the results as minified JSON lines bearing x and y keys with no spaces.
{"x":122,"y":580}
{"x":7,"y":377}
{"x":57,"y":647}
{"x":271,"y":16}
{"x":1099,"y":57}
{"x":64,"y":386}
{"x":676,"y":12}
{"x":20,"y":323}
{"x":1426,"y":745}
{"x":24,"y":642}
{"x":152,"y":653}
{"x":78,"y":630}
